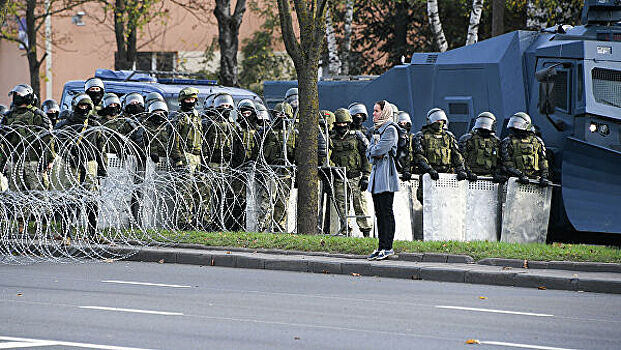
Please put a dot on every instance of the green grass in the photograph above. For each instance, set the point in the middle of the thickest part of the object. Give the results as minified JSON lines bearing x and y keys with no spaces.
{"x":350,"y":245}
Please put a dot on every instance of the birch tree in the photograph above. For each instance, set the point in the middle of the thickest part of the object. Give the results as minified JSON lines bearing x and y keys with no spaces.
{"x":475,"y":19}
{"x":346,"y":49}
{"x":334,"y":61}
{"x":228,"y":38}
{"x":436,"y":25}
{"x":305,"y":53}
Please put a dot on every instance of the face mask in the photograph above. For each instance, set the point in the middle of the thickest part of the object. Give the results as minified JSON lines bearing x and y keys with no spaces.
{"x":484,"y":132}
{"x":225,"y":112}
{"x":520,"y":133}
{"x":20,"y":100}
{"x":134,"y":109}
{"x":96,"y":96}
{"x":357,"y":120}
{"x":158,"y":117}
{"x":187,"y":106}
{"x":436,"y":126}
{"x":53,"y":117}
{"x":82,"y":112}
{"x":112,"y":111}
{"x":341,"y":130}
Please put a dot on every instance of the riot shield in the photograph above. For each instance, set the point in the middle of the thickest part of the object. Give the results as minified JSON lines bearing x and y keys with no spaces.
{"x":525,"y":212}
{"x":444,"y":208}
{"x":482,"y":211}
{"x":116,"y":192}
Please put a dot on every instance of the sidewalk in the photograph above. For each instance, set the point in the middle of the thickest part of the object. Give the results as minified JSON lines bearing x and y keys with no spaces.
{"x":436,"y":267}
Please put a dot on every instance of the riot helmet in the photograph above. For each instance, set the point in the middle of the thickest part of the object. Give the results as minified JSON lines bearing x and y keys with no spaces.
{"x":283,"y":110}
{"x":358,"y":113}
{"x":485,"y":121}
{"x":134,"y":104}
{"x":342,"y":121}
{"x":152,"y":97}
{"x":3,"y":109}
{"x":404,"y":120}
{"x":51,"y":108}
{"x":395,"y":112}
{"x":22,"y":94}
{"x":262,"y":113}
{"x":291,"y":97}
{"x":247,"y":109}
{"x":94,"y":87}
{"x":436,"y":115}
{"x":208,"y":104}
{"x":187,"y":98}
{"x":158,"y":111}
{"x":111,"y":105}
{"x":81,"y":105}
{"x":223,"y":101}
{"x":519,"y":121}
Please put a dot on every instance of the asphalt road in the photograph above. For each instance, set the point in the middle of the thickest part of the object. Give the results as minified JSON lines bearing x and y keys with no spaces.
{"x":107,"y":306}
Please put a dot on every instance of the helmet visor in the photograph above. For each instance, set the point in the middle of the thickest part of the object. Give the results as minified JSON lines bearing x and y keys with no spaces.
{"x":486,"y":123}
{"x":358,"y":109}
{"x":20,"y":90}
{"x":158,"y":106}
{"x":133,"y":99}
{"x":223,"y":100}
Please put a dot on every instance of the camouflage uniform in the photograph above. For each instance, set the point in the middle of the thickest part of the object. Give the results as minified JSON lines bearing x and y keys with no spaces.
{"x":279,"y":144}
{"x":348,"y":150}
{"x":525,"y":155}
{"x":481,"y":153}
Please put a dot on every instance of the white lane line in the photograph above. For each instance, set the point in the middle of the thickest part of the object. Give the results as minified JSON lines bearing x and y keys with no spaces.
{"x":41,"y":342}
{"x":21,"y":344}
{"x":147,"y":284}
{"x":492,"y":310}
{"x":522,"y":346}
{"x":131,"y":310}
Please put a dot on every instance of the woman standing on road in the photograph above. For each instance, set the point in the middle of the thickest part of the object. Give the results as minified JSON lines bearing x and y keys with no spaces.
{"x":384,"y":180}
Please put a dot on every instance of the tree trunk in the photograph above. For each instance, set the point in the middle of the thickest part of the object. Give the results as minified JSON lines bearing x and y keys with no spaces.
{"x":306,"y":154}
{"x":436,"y":25}
{"x":400,"y":32}
{"x":33,"y":63}
{"x":346,"y":48}
{"x":228,"y":38}
{"x":498,"y":13}
{"x":120,"y":58}
{"x":534,"y":15}
{"x":334,"y":62}
{"x":475,"y":19}
{"x":3,"y":8}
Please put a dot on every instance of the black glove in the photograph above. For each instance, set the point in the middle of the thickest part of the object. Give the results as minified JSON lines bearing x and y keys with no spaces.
{"x":364,"y":183}
{"x":499,"y":178}
{"x":434,"y":174}
{"x":101,"y":172}
{"x":406,"y":176}
{"x":524,"y":180}
{"x":472,"y":176}
{"x":154,"y":157}
{"x":543,"y":182}
{"x":461,"y":175}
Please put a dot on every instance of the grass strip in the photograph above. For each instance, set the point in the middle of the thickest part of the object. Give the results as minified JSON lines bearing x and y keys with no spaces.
{"x":351,"y":245}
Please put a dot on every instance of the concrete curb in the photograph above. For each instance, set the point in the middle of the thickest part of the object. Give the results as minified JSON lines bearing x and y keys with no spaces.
{"x":555,"y":265}
{"x":445,"y":271}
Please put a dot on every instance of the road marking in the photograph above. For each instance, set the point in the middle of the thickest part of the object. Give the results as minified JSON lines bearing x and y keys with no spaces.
{"x":147,"y":284}
{"x":131,"y":310}
{"x":492,"y":310}
{"x":41,"y":342}
{"x":21,"y":344}
{"x":523,"y":346}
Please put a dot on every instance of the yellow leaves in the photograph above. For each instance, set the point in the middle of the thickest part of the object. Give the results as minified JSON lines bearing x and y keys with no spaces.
{"x":228,"y":252}
{"x":483,"y":298}
{"x":355,"y":274}
{"x":472,"y":341}
{"x":525,"y":264}
{"x":542,"y":288}
{"x":20,"y":294}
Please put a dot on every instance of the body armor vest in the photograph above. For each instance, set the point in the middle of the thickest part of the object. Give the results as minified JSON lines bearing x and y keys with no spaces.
{"x":345,"y":153}
{"x":482,"y":155}
{"x":526,"y":154}
{"x":437,"y":149}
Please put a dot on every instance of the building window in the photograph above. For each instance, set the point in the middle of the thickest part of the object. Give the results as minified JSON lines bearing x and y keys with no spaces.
{"x":158,"y":61}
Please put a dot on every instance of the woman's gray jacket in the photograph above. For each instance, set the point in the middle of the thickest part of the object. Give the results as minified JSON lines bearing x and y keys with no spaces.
{"x":381,"y":154}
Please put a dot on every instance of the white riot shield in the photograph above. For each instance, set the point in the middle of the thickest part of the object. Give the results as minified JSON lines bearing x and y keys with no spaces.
{"x":525,"y":213}
{"x":292,"y":211}
{"x":116,"y":192}
{"x":403,"y":214}
{"x":252,"y":201}
{"x":482,"y":211}
{"x":444,"y":208}
{"x":157,"y":195}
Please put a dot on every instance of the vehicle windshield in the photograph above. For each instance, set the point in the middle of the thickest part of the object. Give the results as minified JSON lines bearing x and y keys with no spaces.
{"x":607,"y":86}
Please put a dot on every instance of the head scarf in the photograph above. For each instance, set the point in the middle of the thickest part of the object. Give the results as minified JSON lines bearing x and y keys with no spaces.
{"x":385,"y":116}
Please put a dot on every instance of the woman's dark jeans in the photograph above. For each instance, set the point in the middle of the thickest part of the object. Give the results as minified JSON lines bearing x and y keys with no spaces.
{"x":382,"y":202}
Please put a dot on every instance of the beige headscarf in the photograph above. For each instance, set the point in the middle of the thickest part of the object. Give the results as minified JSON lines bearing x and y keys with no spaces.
{"x":384,"y":117}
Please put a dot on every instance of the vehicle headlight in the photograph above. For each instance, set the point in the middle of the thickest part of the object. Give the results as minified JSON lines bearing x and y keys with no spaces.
{"x":593,"y":127}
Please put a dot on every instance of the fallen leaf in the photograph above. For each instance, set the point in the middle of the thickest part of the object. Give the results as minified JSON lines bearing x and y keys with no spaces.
{"x":296,"y":338}
{"x":542,"y":288}
{"x":212,"y":262}
{"x":108,"y":260}
{"x":472,"y":341}
{"x":482,"y":298}
{"x":228,"y":252}
{"x":161,"y":261}
{"x":355,"y":274}
{"x":525,"y":264}
{"x":19,"y":294}
{"x":506,"y":267}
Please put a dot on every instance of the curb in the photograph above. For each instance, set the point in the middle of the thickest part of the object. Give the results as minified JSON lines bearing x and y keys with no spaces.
{"x":553,"y":265}
{"x":393,"y":268}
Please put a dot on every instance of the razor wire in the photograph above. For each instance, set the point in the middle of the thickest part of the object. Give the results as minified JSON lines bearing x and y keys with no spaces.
{"x":82,"y":191}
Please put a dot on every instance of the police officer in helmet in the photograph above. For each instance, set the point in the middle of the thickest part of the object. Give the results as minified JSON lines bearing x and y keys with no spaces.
{"x":94,"y":88}
{"x":359,"y":115}
{"x":481,"y":148}
{"x":404,"y":146}
{"x":133,"y":105}
{"x":523,"y":154}
{"x":291,"y":97}
{"x":52,"y":109}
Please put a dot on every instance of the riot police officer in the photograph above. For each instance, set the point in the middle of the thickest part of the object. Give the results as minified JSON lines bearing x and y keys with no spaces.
{"x":151,"y":98}
{"x":279,"y":146}
{"x":26,"y":144}
{"x":110,"y":117}
{"x":348,"y":150}
{"x":85,"y":153}
{"x":481,"y":148}
{"x":187,"y":142}
{"x":404,"y":146}
{"x":523,"y":154}
{"x":291,"y":97}
{"x":52,"y":109}
{"x":435,"y":148}
{"x":94,"y":88}
{"x":359,"y":115}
